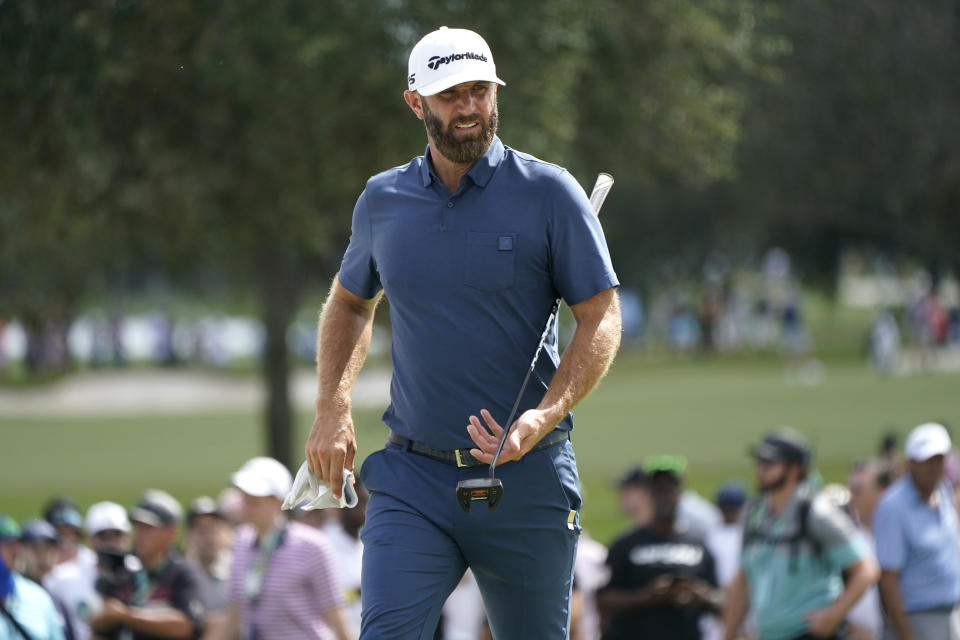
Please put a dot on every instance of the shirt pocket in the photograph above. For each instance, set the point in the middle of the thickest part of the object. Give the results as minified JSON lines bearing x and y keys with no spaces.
{"x":489,"y":260}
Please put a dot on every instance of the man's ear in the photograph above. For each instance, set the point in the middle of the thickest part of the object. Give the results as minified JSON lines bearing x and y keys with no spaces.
{"x":415,"y":102}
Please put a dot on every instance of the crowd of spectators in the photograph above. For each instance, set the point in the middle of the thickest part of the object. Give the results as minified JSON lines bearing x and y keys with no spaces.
{"x":875,"y":558}
{"x":234,"y":566}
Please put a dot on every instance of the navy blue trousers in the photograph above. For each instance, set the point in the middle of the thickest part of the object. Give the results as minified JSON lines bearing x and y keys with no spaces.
{"x":418,"y":542}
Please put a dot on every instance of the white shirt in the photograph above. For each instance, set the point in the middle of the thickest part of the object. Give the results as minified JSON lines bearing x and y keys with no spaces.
{"x":73,"y":583}
{"x":866,"y":613}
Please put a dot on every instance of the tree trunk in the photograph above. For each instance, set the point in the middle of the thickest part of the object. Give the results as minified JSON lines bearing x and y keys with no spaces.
{"x":279,"y":295}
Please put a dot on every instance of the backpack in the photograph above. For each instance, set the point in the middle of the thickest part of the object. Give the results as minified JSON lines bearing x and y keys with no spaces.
{"x":802,"y":533}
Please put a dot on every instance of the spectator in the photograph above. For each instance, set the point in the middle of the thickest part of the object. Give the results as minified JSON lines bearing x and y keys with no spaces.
{"x":171,"y":603}
{"x":889,"y":453}
{"x":26,"y":610}
{"x":283,"y":579}
{"x":39,"y":549}
{"x":633,"y":494}
{"x":208,"y":548}
{"x":695,"y":515}
{"x":884,"y":342}
{"x":915,"y":527}
{"x":797,"y":548}
{"x":867,"y":482}
{"x":662,"y":579}
{"x":63,"y":514}
{"x":723,"y":542}
{"x":73,"y":582}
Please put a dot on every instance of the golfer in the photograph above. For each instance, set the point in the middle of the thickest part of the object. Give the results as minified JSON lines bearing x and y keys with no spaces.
{"x":471,"y":243}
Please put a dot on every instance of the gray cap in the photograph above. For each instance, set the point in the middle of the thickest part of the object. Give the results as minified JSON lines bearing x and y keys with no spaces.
{"x":158,"y":509}
{"x":783,"y":445}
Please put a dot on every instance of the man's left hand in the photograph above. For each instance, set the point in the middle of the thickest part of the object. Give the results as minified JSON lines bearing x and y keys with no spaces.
{"x":823,"y":622}
{"x":527,"y":431}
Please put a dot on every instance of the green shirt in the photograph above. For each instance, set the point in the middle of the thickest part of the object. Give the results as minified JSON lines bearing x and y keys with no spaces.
{"x":788,"y":580}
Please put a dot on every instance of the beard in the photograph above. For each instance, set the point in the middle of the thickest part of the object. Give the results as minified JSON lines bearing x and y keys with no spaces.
{"x":458,"y":149}
{"x":773,"y":485}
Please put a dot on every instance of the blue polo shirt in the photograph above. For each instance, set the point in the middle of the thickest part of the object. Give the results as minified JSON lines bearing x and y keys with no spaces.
{"x":920,"y":542}
{"x":471,"y":277}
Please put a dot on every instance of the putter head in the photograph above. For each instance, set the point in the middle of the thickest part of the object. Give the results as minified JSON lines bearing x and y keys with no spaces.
{"x":488,"y":490}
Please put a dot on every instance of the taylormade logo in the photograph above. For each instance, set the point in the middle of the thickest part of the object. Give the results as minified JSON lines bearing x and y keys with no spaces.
{"x":435,"y":61}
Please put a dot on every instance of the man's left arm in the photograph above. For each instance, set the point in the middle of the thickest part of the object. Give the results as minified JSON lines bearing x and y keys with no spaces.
{"x":584,"y":363}
{"x":847,"y":551}
{"x":860,"y":576}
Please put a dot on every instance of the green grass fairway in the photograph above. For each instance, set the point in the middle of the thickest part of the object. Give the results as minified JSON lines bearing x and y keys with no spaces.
{"x":707,"y":410}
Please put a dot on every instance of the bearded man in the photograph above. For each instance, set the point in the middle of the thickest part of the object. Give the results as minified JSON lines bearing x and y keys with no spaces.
{"x":804,"y":564}
{"x":471,"y":243}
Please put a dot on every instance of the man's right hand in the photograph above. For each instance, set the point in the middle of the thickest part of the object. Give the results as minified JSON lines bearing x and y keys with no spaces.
{"x":330,"y":449}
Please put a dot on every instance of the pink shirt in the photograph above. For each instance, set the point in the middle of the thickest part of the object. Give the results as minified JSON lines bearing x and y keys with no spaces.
{"x":300,"y":584}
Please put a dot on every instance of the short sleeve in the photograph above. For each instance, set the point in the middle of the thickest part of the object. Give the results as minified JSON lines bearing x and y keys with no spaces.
{"x":616,"y":565}
{"x":358,"y":271}
{"x":189,"y":597}
{"x":709,"y":568}
{"x":324,"y":578}
{"x":837,"y":533}
{"x":888,"y":537}
{"x":581,"y":264}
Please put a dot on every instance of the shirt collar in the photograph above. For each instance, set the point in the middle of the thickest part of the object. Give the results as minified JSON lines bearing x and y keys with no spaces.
{"x":915,"y":494}
{"x":480,"y":173}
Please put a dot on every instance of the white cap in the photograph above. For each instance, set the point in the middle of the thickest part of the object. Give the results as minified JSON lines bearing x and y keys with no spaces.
{"x":447,"y":57}
{"x":106,"y":516}
{"x":927,"y":440}
{"x":263,"y":477}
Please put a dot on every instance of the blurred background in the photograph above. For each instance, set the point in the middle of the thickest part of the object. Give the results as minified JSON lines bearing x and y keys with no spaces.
{"x":177,"y":182}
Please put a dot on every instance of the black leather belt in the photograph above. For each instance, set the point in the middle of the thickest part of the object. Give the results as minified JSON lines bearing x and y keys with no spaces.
{"x":463,"y":457}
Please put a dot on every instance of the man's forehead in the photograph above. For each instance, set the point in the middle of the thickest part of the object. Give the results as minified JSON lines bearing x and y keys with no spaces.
{"x":466,"y":86}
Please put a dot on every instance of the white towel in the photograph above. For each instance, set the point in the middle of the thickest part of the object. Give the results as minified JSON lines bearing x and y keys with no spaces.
{"x":307,"y":487}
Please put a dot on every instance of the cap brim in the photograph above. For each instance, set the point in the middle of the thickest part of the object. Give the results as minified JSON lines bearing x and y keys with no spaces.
{"x":252,"y":485}
{"x":145,"y":516}
{"x":455,"y":79}
{"x":765,"y":452}
{"x":925,"y":454}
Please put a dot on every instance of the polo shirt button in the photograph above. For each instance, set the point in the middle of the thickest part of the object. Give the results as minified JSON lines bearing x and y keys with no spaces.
{"x":450,"y":205}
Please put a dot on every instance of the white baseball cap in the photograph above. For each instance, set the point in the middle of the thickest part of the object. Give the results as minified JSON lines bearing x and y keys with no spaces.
{"x":262,"y":477}
{"x":447,"y":57}
{"x":106,"y":516}
{"x":927,"y":440}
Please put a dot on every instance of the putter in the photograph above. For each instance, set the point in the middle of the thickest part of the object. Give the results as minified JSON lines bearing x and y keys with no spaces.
{"x":490,"y":489}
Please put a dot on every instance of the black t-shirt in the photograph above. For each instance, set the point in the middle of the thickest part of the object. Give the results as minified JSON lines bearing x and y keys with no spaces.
{"x":640,"y":557}
{"x":176,"y":584}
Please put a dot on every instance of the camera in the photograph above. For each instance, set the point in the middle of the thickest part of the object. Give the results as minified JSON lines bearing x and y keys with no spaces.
{"x":120,"y":575}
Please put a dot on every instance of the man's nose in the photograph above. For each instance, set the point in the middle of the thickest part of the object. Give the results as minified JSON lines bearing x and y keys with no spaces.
{"x":465,"y":103}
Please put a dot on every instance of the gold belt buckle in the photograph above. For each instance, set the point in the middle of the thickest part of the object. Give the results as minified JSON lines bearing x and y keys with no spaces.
{"x":456,"y":452}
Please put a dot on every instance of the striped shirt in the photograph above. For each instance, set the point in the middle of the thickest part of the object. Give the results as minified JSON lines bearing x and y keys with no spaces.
{"x":299,"y":585}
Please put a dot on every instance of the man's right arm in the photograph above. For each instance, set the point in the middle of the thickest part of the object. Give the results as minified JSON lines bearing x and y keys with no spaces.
{"x":343,"y":339}
{"x":893,"y":604}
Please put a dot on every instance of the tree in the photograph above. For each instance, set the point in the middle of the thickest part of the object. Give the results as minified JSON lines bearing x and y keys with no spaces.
{"x":857,"y":144}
